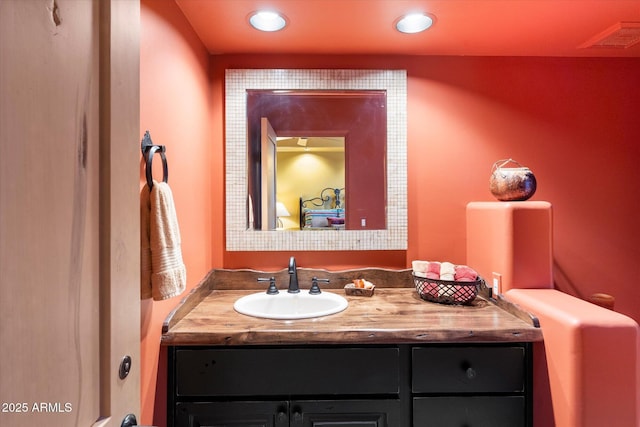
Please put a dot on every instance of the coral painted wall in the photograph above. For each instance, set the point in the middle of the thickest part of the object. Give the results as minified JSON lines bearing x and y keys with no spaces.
{"x":176,"y":107}
{"x":572,"y":121}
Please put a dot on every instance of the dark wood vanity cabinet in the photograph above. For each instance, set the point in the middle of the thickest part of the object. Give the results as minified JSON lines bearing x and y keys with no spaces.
{"x":361,"y":386}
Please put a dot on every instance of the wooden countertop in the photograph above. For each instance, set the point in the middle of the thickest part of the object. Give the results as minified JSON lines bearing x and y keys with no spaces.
{"x":392,"y":315}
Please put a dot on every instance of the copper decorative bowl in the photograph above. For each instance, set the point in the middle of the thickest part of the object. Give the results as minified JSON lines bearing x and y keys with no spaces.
{"x":511,"y":183}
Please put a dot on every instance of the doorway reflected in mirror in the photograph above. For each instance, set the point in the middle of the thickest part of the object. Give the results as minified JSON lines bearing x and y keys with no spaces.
{"x":305,"y":166}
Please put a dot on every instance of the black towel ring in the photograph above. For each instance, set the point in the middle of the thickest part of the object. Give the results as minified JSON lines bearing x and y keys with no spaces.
{"x":148,"y":150}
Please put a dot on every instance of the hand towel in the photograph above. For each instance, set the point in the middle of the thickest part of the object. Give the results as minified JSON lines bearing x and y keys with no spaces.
{"x":447,"y":271}
{"x":419,"y":268}
{"x":465,"y":274}
{"x":434,"y":268}
{"x":168,"y":273}
{"x":145,"y":243}
{"x":433,"y":272}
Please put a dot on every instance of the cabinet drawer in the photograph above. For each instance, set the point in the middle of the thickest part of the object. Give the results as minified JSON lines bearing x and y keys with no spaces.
{"x":468,"y":369}
{"x":471,"y":411}
{"x":271,"y":372}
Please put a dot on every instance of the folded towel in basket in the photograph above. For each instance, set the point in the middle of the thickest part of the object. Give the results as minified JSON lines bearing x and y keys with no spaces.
{"x":419,"y":267}
{"x":447,"y":271}
{"x":434,"y":268}
{"x":465,"y":274}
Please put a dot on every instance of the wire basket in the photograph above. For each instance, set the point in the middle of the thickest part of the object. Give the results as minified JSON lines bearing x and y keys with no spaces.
{"x":447,"y":291}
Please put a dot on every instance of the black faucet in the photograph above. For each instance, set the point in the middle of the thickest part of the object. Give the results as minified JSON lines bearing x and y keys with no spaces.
{"x":293,"y":277}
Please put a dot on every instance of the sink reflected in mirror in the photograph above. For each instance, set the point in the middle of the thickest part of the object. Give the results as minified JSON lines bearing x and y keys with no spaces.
{"x":286,"y":306}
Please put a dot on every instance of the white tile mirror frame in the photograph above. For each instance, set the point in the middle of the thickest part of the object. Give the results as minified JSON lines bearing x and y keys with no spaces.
{"x":238,"y":238}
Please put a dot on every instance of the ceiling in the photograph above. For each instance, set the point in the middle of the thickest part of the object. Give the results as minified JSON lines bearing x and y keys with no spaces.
{"x":462,"y":27}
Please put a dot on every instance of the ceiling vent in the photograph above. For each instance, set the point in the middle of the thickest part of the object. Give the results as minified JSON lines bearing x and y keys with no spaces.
{"x":620,"y":36}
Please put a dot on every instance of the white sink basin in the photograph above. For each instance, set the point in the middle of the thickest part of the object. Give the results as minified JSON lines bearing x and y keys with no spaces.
{"x":290,"y":306}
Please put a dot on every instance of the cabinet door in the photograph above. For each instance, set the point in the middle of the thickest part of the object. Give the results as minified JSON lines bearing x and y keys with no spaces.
{"x":228,"y":414}
{"x":475,"y":411}
{"x":69,"y":218}
{"x":346,"y":413}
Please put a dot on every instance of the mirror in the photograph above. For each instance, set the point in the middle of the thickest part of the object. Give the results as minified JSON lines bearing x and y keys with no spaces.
{"x":392,"y":235}
{"x":359,"y":116}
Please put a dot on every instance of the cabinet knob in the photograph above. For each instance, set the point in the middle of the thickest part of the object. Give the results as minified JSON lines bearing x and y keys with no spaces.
{"x":469,"y":371}
{"x":297,"y":415}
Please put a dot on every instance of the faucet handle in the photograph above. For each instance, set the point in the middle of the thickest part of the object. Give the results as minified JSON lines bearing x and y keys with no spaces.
{"x":315,"y":289}
{"x":272,"y":290}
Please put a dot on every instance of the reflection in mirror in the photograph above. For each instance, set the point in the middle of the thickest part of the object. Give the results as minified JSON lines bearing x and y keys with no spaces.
{"x":305,"y":166}
{"x":246,"y":181}
{"x":360,"y":116}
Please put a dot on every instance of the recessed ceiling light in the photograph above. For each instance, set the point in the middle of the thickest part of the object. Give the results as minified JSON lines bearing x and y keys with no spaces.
{"x":266,"y":20}
{"x":414,"y":23}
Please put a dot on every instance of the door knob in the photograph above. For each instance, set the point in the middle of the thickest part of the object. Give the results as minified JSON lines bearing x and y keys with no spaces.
{"x":125,"y":368}
{"x":130,"y":420}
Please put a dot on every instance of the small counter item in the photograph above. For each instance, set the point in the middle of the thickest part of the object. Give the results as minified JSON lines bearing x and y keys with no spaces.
{"x":511,"y":183}
{"x":360,"y":288}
